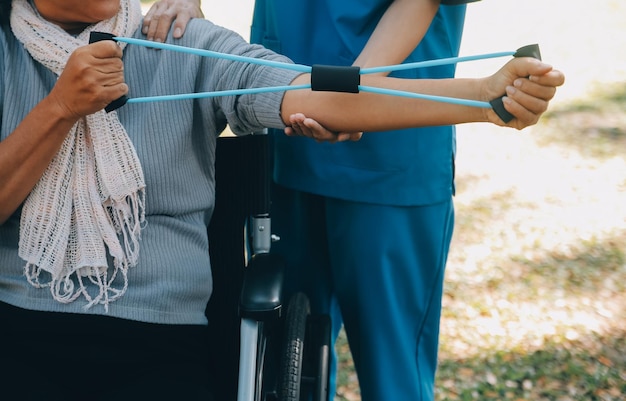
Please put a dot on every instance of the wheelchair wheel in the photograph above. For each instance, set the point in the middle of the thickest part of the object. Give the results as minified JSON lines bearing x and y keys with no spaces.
{"x":316,"y":365}
{"x":290,"y":377}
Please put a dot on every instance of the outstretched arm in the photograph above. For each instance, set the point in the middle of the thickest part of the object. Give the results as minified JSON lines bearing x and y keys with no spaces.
{"x":165,"y":13}
{"x":399,"y":31}
{"x":94,"y":76}
{"x":529,"y":84}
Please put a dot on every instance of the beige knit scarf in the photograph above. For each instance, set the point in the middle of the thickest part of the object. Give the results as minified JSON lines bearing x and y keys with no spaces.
{"x":89,"y":203}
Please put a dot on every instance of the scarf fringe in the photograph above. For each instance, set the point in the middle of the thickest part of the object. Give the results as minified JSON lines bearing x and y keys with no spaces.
{"x":128,"y":218}
{"x":89,"y":206}
{"x":71,"y":286}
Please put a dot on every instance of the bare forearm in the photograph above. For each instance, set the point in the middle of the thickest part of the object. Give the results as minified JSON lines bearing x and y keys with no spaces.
{"x":347,"y":112}
{"x":528,"y":84}
{"x":25,"y":154}
{"x":398,"y":33}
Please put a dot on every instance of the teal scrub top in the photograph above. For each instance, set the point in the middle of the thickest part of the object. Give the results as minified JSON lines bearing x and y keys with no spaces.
{"x":406,"y":167}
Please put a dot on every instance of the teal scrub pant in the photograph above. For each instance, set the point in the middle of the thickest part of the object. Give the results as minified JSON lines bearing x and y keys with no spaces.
{"x":377,"y":269}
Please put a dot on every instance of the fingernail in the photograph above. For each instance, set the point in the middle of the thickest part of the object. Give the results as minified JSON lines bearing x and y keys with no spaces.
{"x":178,"y":32}
{"x":510,"y":90}
{"x":517,"y":82}
{"x":144,"y":30}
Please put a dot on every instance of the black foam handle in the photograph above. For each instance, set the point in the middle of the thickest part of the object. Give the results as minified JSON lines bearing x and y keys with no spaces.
{"x":498,"y":104}
{"x":97,"y":37}
{"x":334,"y":78}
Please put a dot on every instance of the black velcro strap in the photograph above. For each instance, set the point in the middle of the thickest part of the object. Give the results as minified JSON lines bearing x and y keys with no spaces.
{"x":332,"y":78}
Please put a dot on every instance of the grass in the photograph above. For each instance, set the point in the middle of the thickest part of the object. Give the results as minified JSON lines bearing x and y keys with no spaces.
{"x":536,"y":280}
{"x":561,"y":370}
{"x":595,"y":127}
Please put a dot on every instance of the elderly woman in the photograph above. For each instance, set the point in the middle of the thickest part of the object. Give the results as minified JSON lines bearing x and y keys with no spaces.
{"x":104,"y":270}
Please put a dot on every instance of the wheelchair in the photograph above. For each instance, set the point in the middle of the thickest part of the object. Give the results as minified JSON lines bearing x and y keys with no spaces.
{"x":263,"y":347}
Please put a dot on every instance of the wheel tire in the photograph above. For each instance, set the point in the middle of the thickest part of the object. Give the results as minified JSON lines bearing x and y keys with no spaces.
{"x":292,"y":359}
{"x":317,"y":357}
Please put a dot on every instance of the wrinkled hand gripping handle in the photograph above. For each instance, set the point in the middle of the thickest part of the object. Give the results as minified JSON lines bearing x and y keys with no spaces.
{"x":497,"y":104}
{"x":97,"y":37}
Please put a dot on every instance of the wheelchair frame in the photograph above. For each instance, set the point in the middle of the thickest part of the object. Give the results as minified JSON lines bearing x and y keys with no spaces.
{"x":258,"y":352}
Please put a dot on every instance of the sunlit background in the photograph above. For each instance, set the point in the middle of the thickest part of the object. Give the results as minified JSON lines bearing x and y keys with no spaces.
{"x":535,"y":288}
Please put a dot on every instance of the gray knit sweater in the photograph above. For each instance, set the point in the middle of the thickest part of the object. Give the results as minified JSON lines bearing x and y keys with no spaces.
{"x":175,"y":142}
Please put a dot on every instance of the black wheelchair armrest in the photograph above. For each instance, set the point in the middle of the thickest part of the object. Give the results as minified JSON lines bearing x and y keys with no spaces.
{"x":261,"y":293}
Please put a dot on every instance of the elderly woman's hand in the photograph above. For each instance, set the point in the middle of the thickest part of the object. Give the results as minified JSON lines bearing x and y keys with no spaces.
{"x":93,"y":77}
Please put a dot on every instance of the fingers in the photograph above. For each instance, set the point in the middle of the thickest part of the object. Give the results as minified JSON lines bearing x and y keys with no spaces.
{"x":163,"y":13}
{"x":105,"y":49}
{"x":179,"y":26}
{"x":553,"y":78}
{"x":158,"y":21}
{"x":349,"y":136}
{"x":303,"y":126}
{"x":106,"y":62}
{"x":523,"y":89}
{"x":525,"y":115}
{"x":529,"y":85}
{"x":526,"y":66}
{"x":93,"y":77}
{"x":528,"y":98}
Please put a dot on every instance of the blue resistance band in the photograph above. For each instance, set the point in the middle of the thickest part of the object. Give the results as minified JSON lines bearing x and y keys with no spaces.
{"x":323,"y":77}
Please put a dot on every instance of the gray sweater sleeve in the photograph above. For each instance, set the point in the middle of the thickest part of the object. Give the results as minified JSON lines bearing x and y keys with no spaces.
{"x":244,"y":113}
{"x":175,"y":142}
